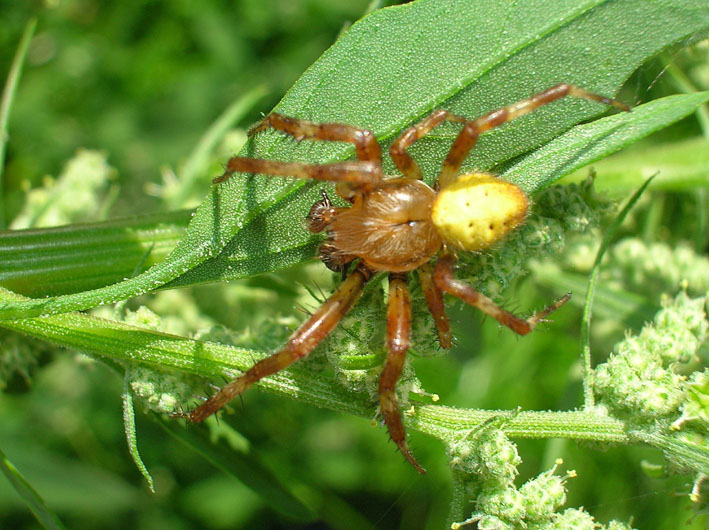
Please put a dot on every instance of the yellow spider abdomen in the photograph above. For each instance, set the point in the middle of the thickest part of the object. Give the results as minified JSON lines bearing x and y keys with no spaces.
{"x":477,"y":210}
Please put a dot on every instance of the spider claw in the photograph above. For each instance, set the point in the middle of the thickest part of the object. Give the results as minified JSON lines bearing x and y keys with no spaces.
{"x":260,"y":126}
{"x":409,"y":456}
{"x":225,"y":176}
{"x":178,"y":415}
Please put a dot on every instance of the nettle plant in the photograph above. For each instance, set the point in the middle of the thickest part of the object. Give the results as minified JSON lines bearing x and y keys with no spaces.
{"x":382,"y":75}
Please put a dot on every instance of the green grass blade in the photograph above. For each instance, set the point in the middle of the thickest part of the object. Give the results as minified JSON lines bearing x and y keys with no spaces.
{"x":8,"y":95}
{"x":197,"y":159}
{"x":588,"y":373}
{"x":590,"y":142}
{"x":34,"y":502}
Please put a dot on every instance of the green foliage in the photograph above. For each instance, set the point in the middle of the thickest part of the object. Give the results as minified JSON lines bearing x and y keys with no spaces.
{"x":144,"y":93}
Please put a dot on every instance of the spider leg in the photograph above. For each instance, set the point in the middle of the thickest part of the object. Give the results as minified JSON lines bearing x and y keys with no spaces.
{"x":474,"y":128}
{"x":398,"y":341}
{"x":443,"y":277}
{"x":397,"y":151}
{"x":360,"y":174}
{"x":365,"y":142}
{"x":434,"y":301}
{"x":351,"y":177}
{"x":299,"y":345}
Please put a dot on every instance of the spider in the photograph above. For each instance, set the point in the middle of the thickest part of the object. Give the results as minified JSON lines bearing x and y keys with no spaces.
{"x":397,"y":225}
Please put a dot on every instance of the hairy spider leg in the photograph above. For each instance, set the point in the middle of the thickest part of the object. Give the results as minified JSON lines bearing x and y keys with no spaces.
{"x":468,"y":136}
{"x":398,"y":340}
{"x":366,"y":145}
{"x":443,"y":277}
{"x":351,"y":177}
{"x":359,"y":174}
{"x":397,"y":151}
{"x":303,"y":341}
{"x":434,"y":300}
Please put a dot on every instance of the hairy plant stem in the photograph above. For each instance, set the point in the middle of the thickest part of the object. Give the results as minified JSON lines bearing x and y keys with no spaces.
{"x":119,"y":342}
{"x":460,"y":500}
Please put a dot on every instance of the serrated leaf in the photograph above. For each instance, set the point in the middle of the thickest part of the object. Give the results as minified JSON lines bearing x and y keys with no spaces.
{"x":250,"y":254}
{"x":396,"y":65}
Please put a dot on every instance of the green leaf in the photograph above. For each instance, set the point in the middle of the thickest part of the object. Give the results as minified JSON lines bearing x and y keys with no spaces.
{"x":36,"y":504}
{"x":130,"y":430}
{"x":46,"y":262}
{"x":587,"y":143}
{"x":395,"y":66}
{"x":250,"y":254}
{"x":68,"y":259}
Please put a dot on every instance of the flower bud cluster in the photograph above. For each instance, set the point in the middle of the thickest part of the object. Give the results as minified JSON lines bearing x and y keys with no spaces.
{"x":576,"y":206}
{"x":639,"y":381}
{"x":490,"y":456}
{"x":161,"y":391}
{"x":73,"y":196}
{"x":355,"y":348}
{"x":18,"y":355}
{"x":638,"y":264}
{"x":267,"y":335}
{"x":491,"y":459}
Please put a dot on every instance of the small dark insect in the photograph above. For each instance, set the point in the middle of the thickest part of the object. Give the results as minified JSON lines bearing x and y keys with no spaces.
{"x":397,"y":225}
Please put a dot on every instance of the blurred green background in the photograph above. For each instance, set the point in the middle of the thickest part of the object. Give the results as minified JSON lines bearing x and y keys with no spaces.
{"x":142,"y":81}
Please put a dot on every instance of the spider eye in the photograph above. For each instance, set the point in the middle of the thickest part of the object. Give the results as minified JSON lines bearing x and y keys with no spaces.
{"x":477,"y":210}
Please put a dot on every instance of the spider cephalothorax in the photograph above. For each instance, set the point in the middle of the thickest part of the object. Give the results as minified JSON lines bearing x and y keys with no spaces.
{"x":397,"y":225}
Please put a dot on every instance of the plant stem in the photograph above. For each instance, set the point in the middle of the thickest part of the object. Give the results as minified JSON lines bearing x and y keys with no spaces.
{"x":446,"y":423}
{"x":588,"y":373}
{"x":120,"y":342}
{"x":460,"y":499}
{"x":8,"y":95}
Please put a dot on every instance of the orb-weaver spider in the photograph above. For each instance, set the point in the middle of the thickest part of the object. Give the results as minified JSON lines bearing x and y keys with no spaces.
{"x":397,"y":225}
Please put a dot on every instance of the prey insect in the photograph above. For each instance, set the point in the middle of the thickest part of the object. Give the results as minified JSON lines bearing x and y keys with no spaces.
{"x":397,"y":225}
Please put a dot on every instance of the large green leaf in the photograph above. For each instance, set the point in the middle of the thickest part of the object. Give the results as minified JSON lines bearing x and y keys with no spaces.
{"x":392,"y":68}
{"x":51,"y":261}
{"x":250,"y":254}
